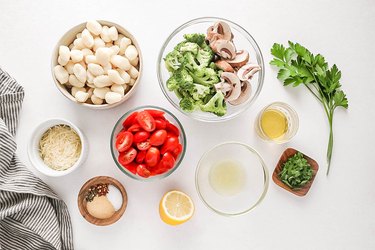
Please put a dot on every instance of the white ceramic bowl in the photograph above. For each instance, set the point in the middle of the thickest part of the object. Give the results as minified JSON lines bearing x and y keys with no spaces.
{"x":69,"y":37}
{"x":33,"y":148}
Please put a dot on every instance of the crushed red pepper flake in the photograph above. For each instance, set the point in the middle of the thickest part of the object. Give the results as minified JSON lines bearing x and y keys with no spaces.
{"x":100,"y":189}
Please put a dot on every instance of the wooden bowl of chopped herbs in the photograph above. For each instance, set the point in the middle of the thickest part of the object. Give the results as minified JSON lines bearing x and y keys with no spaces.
{"x":295,"y":172}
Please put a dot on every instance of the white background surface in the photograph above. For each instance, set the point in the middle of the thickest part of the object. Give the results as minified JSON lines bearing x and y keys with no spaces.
{"x":337,"y":213}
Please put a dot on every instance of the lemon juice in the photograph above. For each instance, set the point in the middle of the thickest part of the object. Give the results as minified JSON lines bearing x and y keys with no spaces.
{"x":227,"y":178}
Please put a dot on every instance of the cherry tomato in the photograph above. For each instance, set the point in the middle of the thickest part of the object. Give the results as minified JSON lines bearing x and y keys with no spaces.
{"x":127,"y":157}
{"x":159,"y":169}
{"x":152,"y":157}
{"x":141,"y":156}
{"x":121,"y":131}
{"x":169,"y":145}
{"x":160,"y":123}
{"x":130,"y":120}
{"x":132,"y":167}
{"x":155,"y":113}
{"x":124,"y":141}
{"x":177,"y":150}
{"x":167,"y":161}
{"x":143,"y":171}
{"x":141,"y":136}
{"x":158,"y":137}
{"x":143,"y":145}
{"x":146,"y":121}
{"x":173,"y":129}
{"x":134,"y":128}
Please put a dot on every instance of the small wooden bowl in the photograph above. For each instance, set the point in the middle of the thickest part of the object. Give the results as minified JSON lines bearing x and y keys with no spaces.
{"x":82,"y":203}
{"x":289,"y":152}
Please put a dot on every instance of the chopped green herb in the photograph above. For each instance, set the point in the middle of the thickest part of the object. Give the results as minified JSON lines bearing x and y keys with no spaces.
{"x":296,"y":171}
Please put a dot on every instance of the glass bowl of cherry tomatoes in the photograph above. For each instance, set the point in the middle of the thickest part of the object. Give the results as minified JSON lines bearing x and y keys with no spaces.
{"x":148,"y":143}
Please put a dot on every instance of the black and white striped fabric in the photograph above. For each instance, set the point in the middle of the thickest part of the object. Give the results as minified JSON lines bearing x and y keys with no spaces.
{"x":31,"y":215}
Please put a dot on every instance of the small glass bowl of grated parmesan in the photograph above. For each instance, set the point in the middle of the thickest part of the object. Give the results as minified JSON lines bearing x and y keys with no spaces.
{"x":57,"y":147}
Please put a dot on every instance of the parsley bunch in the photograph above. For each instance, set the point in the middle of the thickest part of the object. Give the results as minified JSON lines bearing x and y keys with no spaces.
{"x":297,"y":65}
{"x":296,"y":171}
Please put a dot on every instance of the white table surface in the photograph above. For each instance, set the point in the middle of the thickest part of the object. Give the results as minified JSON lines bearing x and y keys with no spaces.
{"x":337,"y":213}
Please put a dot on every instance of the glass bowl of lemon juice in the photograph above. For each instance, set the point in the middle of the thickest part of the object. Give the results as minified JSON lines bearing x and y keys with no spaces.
{"x":231,"y":178}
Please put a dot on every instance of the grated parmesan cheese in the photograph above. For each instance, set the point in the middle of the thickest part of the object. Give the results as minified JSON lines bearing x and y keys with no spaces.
{"x":60,"y":147}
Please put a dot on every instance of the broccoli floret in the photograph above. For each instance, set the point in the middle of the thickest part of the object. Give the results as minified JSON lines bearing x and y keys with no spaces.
{"x":189,"y":62}
{"x":193,"y":74}
{"x":172,"y":83}
{"x":213,"y":66}
{"x":188,"y":104}
{"x":215,"y":105}
{"x":183,"y":77}
{"x":187,"y":47}
{"x":172,"y":60}
{"x":179,"y":79}
{"x":195,"y":38}
{"x":205,"y":76}
{"x":198,"y":91}
{"x":204,"y":57}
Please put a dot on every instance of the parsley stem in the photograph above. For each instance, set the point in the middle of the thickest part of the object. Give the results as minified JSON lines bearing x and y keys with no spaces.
{"x":330,"y":141}
{"x":320,"y":99}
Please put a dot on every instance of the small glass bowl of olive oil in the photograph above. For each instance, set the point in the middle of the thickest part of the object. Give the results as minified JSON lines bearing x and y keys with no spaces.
{"x":277,"y":122}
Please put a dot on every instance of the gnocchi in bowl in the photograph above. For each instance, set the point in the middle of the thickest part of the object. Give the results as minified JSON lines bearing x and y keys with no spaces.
{"x":97,"y":64}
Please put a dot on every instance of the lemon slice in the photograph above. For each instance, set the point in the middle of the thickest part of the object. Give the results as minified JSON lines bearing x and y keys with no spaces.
{"x":176,"y":208}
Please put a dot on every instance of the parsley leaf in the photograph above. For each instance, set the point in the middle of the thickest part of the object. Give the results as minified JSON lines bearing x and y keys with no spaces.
{"x":297,"y":65}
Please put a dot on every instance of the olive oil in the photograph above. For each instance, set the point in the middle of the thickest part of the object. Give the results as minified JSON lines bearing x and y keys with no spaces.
{"x":227,"y":178}
{"x":274,"y":123}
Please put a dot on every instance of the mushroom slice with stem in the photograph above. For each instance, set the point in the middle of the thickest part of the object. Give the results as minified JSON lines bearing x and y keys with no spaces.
{"x":223,"y":29}
{"x":212,"y":35}
{"x":232,"y":79}
{"x":242,"y":57}
{"x":224,"y":87}
{"x":247,"y":71}
{"x":224,"y":65}
{"x":245,"y":94}
{"x":224,"y":48}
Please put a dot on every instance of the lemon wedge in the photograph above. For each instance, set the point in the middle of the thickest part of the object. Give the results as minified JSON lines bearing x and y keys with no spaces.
{"x":176,"y":208}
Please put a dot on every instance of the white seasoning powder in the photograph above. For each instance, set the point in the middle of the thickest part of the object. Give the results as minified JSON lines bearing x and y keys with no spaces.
{"x":115,"y":197}
{"x":60,"y":147}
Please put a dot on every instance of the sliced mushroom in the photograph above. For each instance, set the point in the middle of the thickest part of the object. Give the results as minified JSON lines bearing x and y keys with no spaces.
{"x":224,"y":48}
{"x":223,"y":29}
{"x":242,"y":57}
{"x":247,"y":71}
{"x":224,"y":65}
{"x":245,"y":94}
{"x":232,"y":79}
{"x":210,"y":32}
{"x":224,"y":87}
{"x":212,"y":35}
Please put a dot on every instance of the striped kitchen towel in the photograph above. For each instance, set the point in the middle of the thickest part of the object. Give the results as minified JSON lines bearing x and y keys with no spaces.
{"x":31,"y":214}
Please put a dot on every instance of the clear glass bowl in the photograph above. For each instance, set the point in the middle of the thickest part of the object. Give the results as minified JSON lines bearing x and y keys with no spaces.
{"x":117,"y":128}
{"x":242,"y":40}
{"x":254,"y":179}
{"x":291,"y":119}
